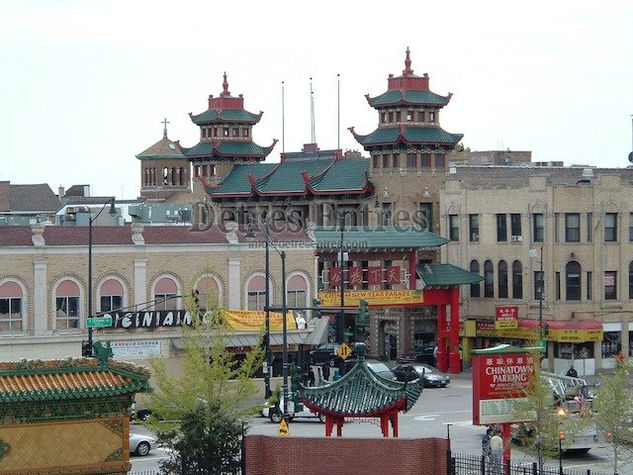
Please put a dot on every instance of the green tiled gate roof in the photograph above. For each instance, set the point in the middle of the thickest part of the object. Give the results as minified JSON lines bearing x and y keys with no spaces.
{"x":442,"y":275}
{"x":384,"y":237}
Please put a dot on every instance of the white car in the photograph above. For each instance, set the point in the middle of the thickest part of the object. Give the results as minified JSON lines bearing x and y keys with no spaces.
{"x":141,"y":444}
{"x":275,"y":414}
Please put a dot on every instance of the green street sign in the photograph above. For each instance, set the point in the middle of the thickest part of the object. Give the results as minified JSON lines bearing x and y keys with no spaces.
{"x":99,"y":322}
{"x":543,"y":346}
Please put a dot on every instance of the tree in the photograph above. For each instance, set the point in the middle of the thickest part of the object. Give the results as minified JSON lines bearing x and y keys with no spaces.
{"x":201,"y":414}
{"x":613,"y":410}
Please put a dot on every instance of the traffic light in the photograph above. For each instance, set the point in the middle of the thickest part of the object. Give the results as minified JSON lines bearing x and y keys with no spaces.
{"x":561,"y":435}
{"x":86,"y":350}
{"x":316,"y":313}
{"x":363,"y":310}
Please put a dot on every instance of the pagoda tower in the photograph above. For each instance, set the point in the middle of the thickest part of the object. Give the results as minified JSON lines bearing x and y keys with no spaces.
{"x":225,"y":140}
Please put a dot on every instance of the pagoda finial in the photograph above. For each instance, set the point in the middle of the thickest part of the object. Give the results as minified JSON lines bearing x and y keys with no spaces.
{"x":225,"y":87}
{"x":407,"y":65}
{"x":165,"y":122}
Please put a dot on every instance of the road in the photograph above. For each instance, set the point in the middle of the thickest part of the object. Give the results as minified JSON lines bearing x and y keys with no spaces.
{"x":437,"y":411}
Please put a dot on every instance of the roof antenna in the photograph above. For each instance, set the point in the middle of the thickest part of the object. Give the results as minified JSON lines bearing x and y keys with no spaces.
{"x":312,"y":132}
{"x":283,"y":134}
{"x":338,"y":112}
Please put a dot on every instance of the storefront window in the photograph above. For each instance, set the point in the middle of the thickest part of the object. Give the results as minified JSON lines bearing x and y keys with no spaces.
{"x":611,"y":344}
{"x":578,"y":350}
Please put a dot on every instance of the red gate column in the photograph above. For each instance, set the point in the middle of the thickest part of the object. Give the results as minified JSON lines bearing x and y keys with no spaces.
{"x":454,"y":361}
{"x":442,"y":350}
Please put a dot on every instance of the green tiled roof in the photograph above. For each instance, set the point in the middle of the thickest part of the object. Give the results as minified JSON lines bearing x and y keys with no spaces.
{"x":420,"y":98}
{"x":385,"y":237}
{"x":228,"y":115}
{"x":440,"y":275}
{"x":360,"y":392}
{"x":230,"y":149}
{"x":287,"y":177}
{"x":348,"y":174}
{"x":390,"y":135}
{"x":236,"y":182}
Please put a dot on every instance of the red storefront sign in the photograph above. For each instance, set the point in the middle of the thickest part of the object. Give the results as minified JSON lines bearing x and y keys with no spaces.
{"x":334,"y":276}
{"x":374,"y":275}
{"x":506,"y":316}
{"x":354,"y":275}
{"x":499,"y":381}
{"x":393,"y":275}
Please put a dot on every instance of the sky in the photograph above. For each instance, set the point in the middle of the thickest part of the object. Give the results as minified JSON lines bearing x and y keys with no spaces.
{"x":85,"y":85}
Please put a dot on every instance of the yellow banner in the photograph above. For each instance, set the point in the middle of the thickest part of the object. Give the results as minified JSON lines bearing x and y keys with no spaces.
{"x":560,"y":335}
{"x":332,"y":298}
{"x":513,"y":333}
{"x":254,"y":320}
{"x":506,"y":324}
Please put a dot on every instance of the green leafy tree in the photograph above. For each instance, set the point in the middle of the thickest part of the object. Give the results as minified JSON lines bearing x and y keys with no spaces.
{"x":613,"y":413}
{"x":201,"y":413}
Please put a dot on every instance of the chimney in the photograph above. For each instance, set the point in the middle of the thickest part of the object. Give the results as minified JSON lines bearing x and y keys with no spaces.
{"x":60,"y":192}
{"x":5,"y":196}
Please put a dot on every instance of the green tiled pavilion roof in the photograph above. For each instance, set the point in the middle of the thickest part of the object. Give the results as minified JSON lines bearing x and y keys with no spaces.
{"x":297,"y":178}
{"x":413,"y":97}
{"x":385,"y":237}
{"x":228,"y":149}
{"x":392,"y":135}
{"x":360,"y":392}
{"x":73,"y":378}
{"x":229,"y":115}
{"x":441,"y":275}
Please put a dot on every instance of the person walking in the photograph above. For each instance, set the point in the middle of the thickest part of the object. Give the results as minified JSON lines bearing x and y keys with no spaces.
{"x":485,"y":444}
{"x":496,"y":451}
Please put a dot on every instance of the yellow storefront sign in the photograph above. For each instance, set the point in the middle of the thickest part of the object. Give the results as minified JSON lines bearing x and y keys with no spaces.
{"x":575,"y":336}
{"x":332,"y":298}
{"x":506,"y":324}
{"x":571,"y":335}
{"x":254,"y":320}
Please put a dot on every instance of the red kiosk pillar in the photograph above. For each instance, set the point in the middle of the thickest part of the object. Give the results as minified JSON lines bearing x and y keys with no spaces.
{"x":454,"y":360}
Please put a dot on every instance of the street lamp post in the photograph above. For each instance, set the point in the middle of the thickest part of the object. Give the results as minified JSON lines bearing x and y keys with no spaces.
{"x":561,"y":413}
{"x":112,"y":212}
{"x":284,"y":312}
{"x":268,"y":368}
{"x":340,"y":323}
{"x":534,"y":254}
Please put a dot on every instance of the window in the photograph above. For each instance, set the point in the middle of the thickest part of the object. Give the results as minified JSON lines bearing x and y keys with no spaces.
{"x":376,"y":161}
{"x":67,"y":305}
{"x":589,"y":285}
{"x":236,"y":132}
{"x":390,"y":116}
{"x":225,"y":131}
{"x":215,"y":131}
{"x":111,"y":292}
{"x":475,"y":288}
{"x":409,"y":116}
{"x":246,"y":133}
{"x":539,"y":285}
{"x":439,"y":160}
{"x":572,"y":227}
{"x":420,"y":116}
{"x":297,"y":287}
{"x":589,"y":227}
{"x":557,"y":284}
{"x":397,"y":116}
{"x":431,"y":116}
{"x":489,"y":280}
{"x":411,"y":160}
{"x":207,"y":293}
{"x":386,"y":214}
{"x":256,"y":293}
{"x":502,"y":228}
{"x":10,"y":307}
{"x":165,"y":293}
{"x":631,"y":227}
{"x":503,"y":280}
{"x":610,"y":285}
{"x":425,"y":160}
{"x":473,"y":227}
{"x":556,"y":226}
{"x":610,"y":227}
{"x":453,"y":227}
{"x":385,"y":160}
{"x":538,"y":227}
{"x":572,"y":281}
{"x":631,"y":280}
{"x":383,"y":117}
{"x":204,"y":132}
{"x":426,"y":210}
{"x":394,"y":160}
{"x":517,"y":280}
{"x":515,"y":226}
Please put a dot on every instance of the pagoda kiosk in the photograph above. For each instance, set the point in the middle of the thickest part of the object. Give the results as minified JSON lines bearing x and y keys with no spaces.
{"x":360,"y":393}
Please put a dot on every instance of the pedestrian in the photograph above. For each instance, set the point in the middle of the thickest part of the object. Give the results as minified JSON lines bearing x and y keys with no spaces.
{"x":485,"y":443}
{"x":435,"y":356}
{"x":572,"y":371}
{"x":496,"y":451}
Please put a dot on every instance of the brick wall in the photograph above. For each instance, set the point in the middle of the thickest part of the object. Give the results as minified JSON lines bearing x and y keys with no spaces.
{"x":267,"y":455}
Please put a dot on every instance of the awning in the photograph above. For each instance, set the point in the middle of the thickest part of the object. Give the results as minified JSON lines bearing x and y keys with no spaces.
{"x":319,"y":334}
{"x":560,"y":331}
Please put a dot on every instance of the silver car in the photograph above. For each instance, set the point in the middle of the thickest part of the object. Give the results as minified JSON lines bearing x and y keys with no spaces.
{"x":141,"y":444}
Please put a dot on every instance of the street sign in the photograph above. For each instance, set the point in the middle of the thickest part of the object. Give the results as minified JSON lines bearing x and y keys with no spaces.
{"x":284,"y":430}
{"x":95,"y":322}
{"x":344,"y":351}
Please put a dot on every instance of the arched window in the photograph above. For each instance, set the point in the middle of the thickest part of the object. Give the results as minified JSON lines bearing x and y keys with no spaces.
{"x":256,"y":293}
{"x":111,"y":292}
{"x":165,"y":294}
{"x":297,"y":290}
{"x":489,"y":280}
{"x":503,"y":280}
{"x":631,"y":280}
{"x":475,"y":288}
{"x":517,"y":280}
{"x":67,"y":305}
{"x":207,"y":292}
{"x":11,"y":307}
{"x":572,"y":280}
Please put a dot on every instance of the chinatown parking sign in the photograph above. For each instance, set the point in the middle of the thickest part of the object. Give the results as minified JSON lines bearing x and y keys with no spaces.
{"x":500,"y":377}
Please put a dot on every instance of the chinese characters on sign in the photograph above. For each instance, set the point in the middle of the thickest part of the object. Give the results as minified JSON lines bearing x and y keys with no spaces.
{"x":376,"y":275}
{"x":506,"y":317}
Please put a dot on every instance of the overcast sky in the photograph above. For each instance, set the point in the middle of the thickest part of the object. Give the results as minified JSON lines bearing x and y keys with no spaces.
{"x":84,"y":85}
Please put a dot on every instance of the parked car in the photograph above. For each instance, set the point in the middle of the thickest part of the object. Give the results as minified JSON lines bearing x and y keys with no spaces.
{"x":141,"y":444}
{"x":378,"y":367}
{"x":139,"y":413}
{"x":419,"y":354}
{"x":431,"y":376}
{"x":324,"y":353}
{"x":275,"y":412}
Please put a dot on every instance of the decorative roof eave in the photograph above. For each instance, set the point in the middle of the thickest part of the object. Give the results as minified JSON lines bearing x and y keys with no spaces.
{"x":215,"y":152}
{"x":220,"y":119}
{"x":367,"y":189}
{"x":398,"y":405}
{"x":404,"y":102}
{"x":209,"y":189}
